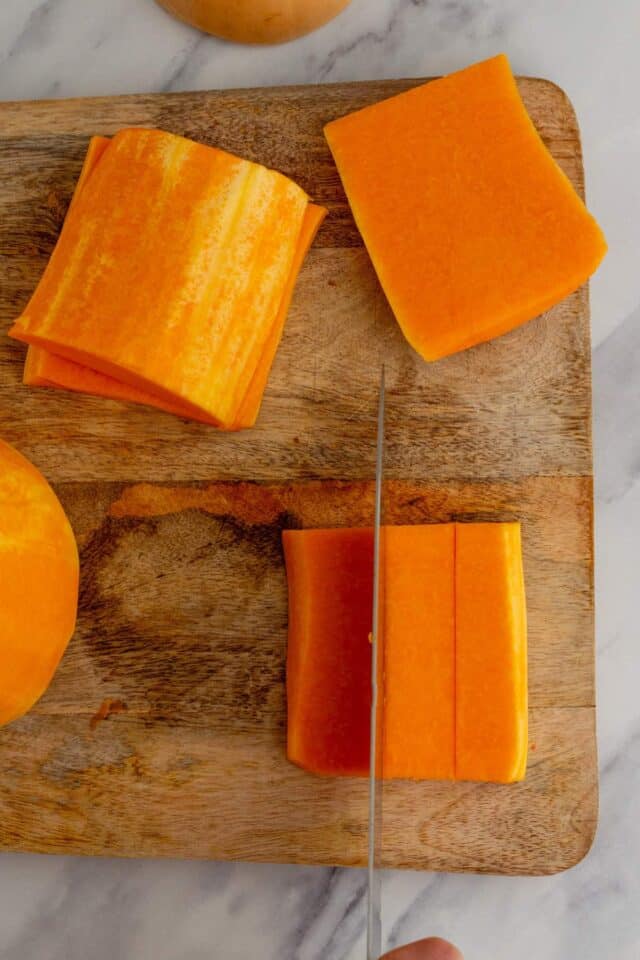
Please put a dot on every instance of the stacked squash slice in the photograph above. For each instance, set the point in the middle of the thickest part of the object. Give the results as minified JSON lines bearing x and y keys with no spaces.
{"x":171,"y":280}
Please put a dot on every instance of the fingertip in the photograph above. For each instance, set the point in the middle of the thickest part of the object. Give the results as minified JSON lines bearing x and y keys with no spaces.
{"x":432,"y":948}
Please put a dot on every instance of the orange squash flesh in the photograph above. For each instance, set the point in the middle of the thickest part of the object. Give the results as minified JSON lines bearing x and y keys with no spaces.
{"x":250,"y":406}
{"x":256,"y":21}
{"x":471,"y":225}
{"x":491,"y":657}
{"x":45,"y":369}
{"x":38,"y":583}
{"x":95,"y":150}
{"x":455,"y":674}
{"x":170,"y":271}
{"x":329,"y":573}
{"x":419,"y":640}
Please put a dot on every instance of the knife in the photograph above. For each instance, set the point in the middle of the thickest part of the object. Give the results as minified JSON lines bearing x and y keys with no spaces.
{"x":374,"y":920}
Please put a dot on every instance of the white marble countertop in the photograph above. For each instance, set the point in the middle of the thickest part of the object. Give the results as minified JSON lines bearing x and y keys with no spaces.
{"x":68,"y":908}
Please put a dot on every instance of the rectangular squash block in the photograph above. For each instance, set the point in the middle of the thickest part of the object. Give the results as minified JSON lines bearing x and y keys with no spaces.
{"x":491,"y":654}
{"x":454,"y":642}
{"x":45,"y":369}
{"x":329,"y":573}
{"x":173,"y":274}
{"x":471,"y":225}
{"x":419,"y":643}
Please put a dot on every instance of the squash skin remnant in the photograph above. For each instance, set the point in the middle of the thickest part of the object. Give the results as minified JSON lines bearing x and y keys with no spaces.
{"x":256,"y":21}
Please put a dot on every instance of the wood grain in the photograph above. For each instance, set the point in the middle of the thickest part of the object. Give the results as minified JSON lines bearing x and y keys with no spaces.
{"x":163,"y":732}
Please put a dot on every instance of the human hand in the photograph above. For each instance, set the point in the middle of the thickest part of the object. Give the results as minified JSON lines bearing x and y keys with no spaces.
{"x":433,"y":948}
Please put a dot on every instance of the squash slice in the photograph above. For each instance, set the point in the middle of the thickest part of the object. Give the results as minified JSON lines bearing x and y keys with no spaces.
{"x":455,"y":657}
{"x":471,"y":225}
{"x":171,"y":273}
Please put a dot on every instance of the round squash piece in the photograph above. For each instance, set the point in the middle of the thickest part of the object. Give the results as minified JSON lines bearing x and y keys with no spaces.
{"x":256,"y":21}
{"x":39,"y":572}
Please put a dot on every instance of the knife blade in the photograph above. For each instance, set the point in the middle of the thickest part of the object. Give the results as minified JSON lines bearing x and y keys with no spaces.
{"x":374,"y":905}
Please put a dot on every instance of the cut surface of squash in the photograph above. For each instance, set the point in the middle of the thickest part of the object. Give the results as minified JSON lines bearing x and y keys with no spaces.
{"x":419,"y":638}
{"x":454,"y":650}
{"x":329,"y":657}
{"x":38,"y":583}
{"x":172,"y":270}
{"x":491,"y":674}
{"x":471,"y":225}
{"x":45,"y":369}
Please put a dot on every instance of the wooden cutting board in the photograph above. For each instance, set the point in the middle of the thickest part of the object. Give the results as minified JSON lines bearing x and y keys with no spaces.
{"x":163,"y":733}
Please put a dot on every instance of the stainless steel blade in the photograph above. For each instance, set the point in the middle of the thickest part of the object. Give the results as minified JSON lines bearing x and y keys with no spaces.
{"x":374,"y":906}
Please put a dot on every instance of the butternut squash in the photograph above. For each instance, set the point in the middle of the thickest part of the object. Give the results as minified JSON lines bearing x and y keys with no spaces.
{"x":171,"y":272}
{"x":491,"y":657}
{"x":38,"y":583}
{"x":419,"y":640}
{"x":45,"y":369}
{"x":256,"y":21}
{"x":471,"y":225}
{"x":455,"y":668}
{"x":329,"y":573}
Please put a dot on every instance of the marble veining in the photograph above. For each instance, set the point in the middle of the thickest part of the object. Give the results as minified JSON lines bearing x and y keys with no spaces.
{"x":72,"y":908}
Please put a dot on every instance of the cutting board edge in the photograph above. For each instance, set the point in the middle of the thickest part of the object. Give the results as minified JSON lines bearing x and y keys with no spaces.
{"x":243,"y":92}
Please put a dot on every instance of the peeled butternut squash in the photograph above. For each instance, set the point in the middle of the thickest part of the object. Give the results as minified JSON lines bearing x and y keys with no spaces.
{"x":419,"y":638}
{"x":256,"y":21}
{"x":173,"y":274}
{"x":45,"y":369}
{"x":329,"y":573}
{"x":471,"y":225}
{"x":38,"y":583}
{"x":491,"y":658}
{"x":454,"y":642}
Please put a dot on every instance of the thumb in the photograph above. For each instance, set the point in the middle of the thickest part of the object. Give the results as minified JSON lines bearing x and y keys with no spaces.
{"x":433,"y":948}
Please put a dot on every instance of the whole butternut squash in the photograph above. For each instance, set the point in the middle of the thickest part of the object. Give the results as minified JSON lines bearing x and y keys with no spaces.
{"x":38,"y":583}
{"x":256,"y":21}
